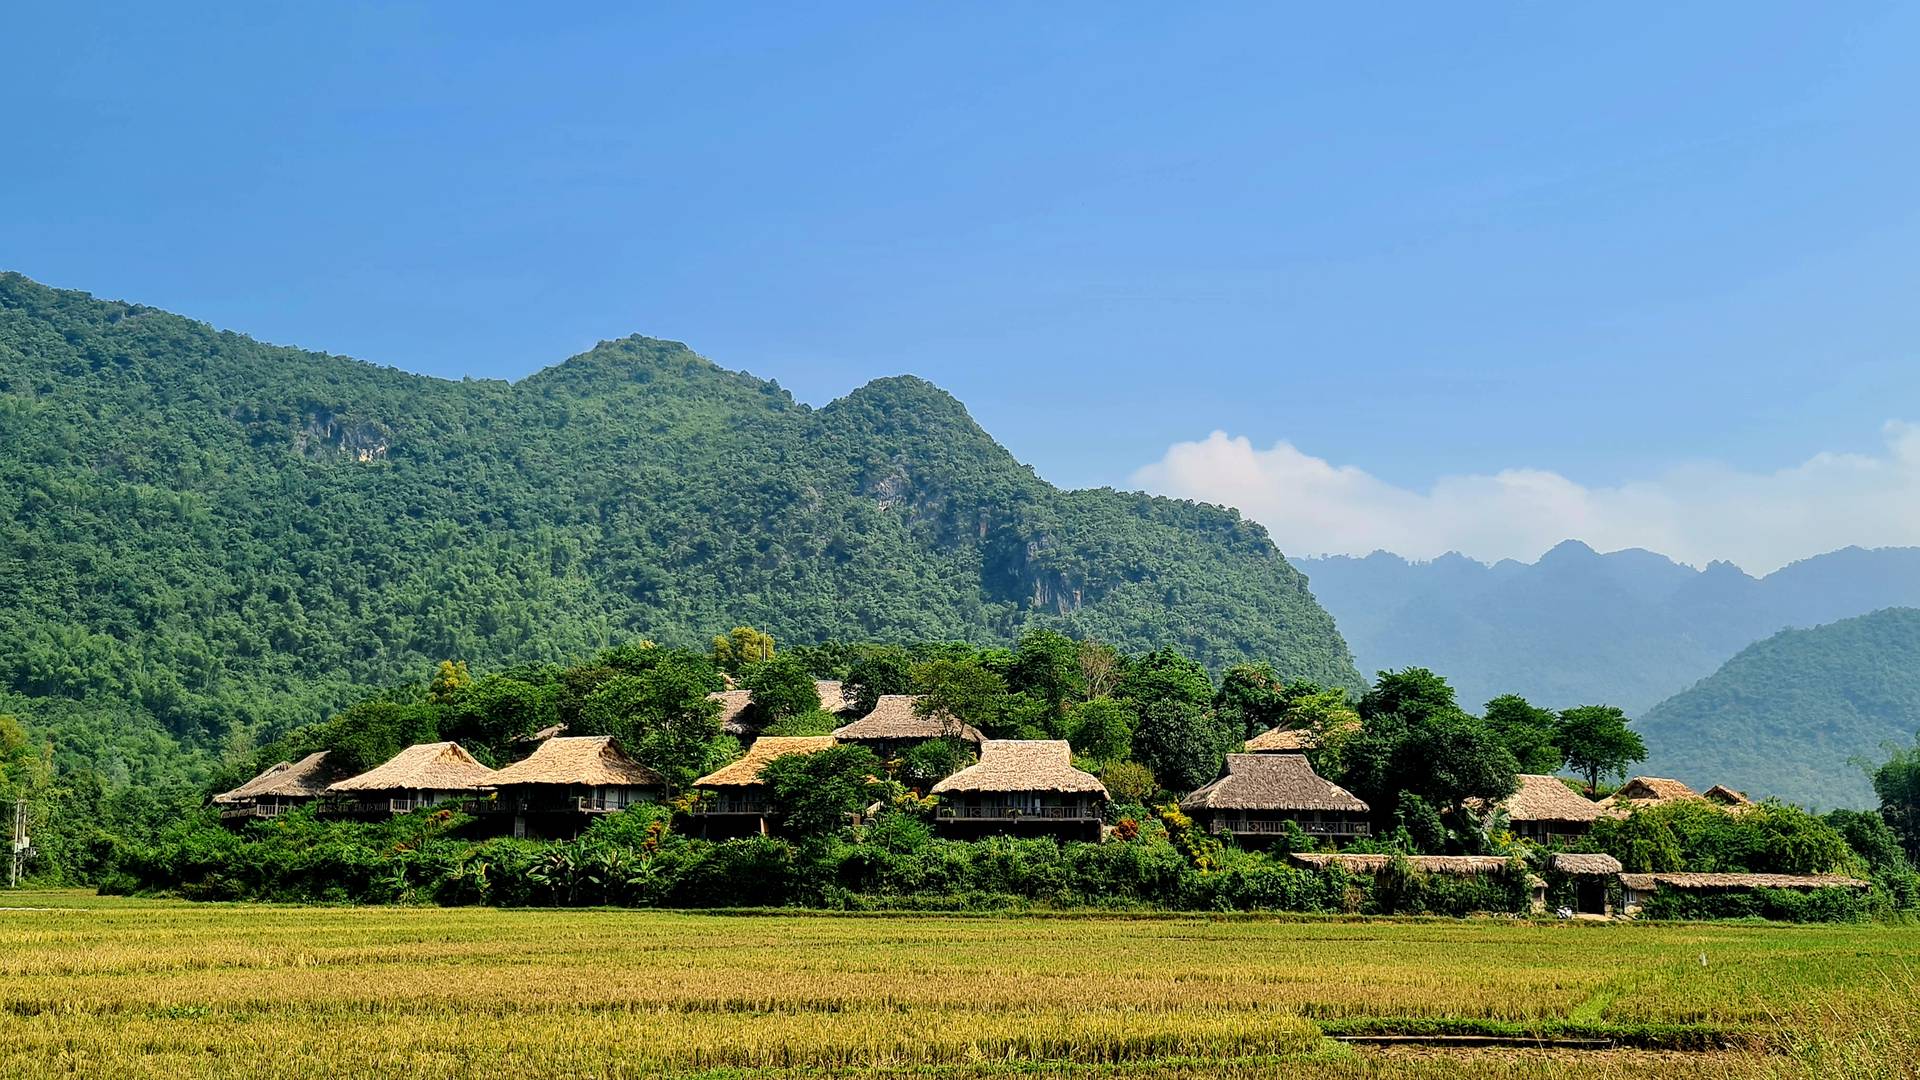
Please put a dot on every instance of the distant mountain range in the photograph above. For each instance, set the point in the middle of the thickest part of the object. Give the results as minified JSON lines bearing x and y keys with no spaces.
{"x":1628,"y":628}
{"x":1788,"y":716}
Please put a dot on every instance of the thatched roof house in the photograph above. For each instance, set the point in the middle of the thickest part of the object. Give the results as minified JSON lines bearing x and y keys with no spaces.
{"x":746,"y":771}
{"x":1022,"y":785}
{"x":833,"y":695}
{"x":740,"y":805}
{"x":1726,"y":796}
{"x":1260,"y":793}
{"x":1544,"y":809}
{"x":1568,"y":862}
{"x":441,"y":766}
{"x":1283,"y":741}
{"x":1652,"y":789}
{"x":733,"y":703}
{"x":894,"y":722}
{"x":304,"y":779}
{"x":1011,"y":766}
{"x":417,"y":776}
{"x":579,"y":761}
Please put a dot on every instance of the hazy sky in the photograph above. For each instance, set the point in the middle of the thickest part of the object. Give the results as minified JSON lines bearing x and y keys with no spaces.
{"x":1502,"y":273}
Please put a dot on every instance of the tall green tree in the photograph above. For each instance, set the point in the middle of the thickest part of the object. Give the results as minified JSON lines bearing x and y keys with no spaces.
{"x":782,"y":688}
{"x":1598,"y":742}
{"x":739,"y":647}
{"x":1101,"y":729}
{"x":877,"y":671}
{"x":661,"y":713}
{"x":1530,"y":733}
{"x":1046,"y":665}
{"x":1897,"y":782}
{"x":1183,"y":743}
{"x":960,"y":691}
{"x":816,"y":795}
{"x":1414,"y":738}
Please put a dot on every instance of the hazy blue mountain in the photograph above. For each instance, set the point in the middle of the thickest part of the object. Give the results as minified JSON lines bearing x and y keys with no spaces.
{"x":1628,"y":628}
{"x":1791,"y":715}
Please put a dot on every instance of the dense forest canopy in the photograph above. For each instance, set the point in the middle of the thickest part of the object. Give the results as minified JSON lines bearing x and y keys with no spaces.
{"x":1797,"y":714}
{"x":206,"y":541}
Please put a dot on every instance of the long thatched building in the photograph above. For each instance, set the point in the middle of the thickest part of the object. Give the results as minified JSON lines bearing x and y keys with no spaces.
{"x":1262,"y":794}
{"x":416,"y":777}
{"x":1022,"y":786}
{"x":568,"y":779}
{"x":279,"y":789}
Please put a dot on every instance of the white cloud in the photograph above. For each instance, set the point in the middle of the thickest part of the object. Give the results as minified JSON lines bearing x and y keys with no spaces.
{"x":1695,"y":513}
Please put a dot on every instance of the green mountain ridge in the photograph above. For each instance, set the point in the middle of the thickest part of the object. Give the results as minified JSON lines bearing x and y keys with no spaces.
{"x":1793,"y":715}
{"x":207,"y":538}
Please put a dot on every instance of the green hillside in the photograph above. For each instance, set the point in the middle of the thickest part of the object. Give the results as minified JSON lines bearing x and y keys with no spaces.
{"x":1787,"y":716}
{"x":204,"y":537}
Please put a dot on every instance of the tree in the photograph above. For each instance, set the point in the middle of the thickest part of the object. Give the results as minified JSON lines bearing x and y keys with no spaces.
{"x":813,"y":795}
{"x":662,"y":713}
{"x":495,"y":710}
{"x":1166,"y":675}
{"x":782,"y":687}
{"x":1252,"y":698}
{"x":927,"y":763}
{"x":1129,"y":782}
{"x":1415,"y":739}
{"x":24,"y":768}
{"x":1101,"y":729}
{"x":879,"y":670}
{"x":450,"y":679}
{"x":1099,"y":668}
{"x":1598,"y":742}
{"x":742,"y":646}
{"x":1047,"y":665}
{"x":1897,"y":782}
{"x":959,"y":692}
{"x":1530,"y":733}
{"x":1183,"y":743}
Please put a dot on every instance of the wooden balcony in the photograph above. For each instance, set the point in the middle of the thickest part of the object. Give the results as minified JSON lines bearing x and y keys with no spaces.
{"x":1259,"y":827}
{"x":1019,"y":813}
{"x":731,"y":808}
{"x":253,"y":810}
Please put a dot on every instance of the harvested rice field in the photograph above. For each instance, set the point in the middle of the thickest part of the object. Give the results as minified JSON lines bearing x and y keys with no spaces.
{"x":106,"y":987}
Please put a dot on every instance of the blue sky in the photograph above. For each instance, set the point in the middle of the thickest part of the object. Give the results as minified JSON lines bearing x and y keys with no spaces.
{"x":1610,"y":243}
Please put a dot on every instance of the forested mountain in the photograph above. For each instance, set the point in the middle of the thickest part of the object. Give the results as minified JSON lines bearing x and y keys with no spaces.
{"x":1628,"y":628}
{"x":1791,"y":715}
{"x":207,"y":537}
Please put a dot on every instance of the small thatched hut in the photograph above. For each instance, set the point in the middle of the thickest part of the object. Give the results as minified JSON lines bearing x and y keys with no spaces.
{"x":278,"y":790}
{"x":555,"y":789}
{"x":1590,"y":875}
{"x":833,"y":695}
{"x":1261,"y":793}
{"x":1726,"y":796}
{"x":894,"y":725}
{"x":1641,"y":887}
{"x":738,"y":805}
{"x":416,"y":777}
{"x":1645,"y":791}
{"x":733,"y":710}
{"x":1022,"y":785}
{"x":1547,"y":811}
{"x":1283,"y":741}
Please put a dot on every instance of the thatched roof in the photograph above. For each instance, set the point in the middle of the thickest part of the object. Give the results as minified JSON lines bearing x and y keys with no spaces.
{"x":1022,"y":765}
{"x":1272,"y":782}
{"x":587,"y":760}
{"x":1462,"y":865}
{"x":1545,"y":798}
{"x":1726,"y":796}
{"x":1648,"y":882}
{"x":1283,"y":741}
{"x":1568,"y":862}
{"x":303,"y":779}
{"x":732,"y":704}
{"x":893,"y":717}
{"x":441,"y":766}
{"x":1643,"y":789}
{"x":833,"y":696}
{"x":746,"y":771}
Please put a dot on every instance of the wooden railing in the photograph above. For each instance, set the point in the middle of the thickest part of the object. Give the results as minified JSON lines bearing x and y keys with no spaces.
{"x":253,"y":810}
{"x":1255,"y":827}
{"x":1019,"y":813}
{"x":753,"y":807}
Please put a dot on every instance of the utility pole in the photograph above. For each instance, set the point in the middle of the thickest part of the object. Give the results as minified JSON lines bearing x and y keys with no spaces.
{"x":22,"y":845}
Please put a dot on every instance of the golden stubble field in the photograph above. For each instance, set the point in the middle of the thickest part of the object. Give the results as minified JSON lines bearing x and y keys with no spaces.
{"x":100,"y":987}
